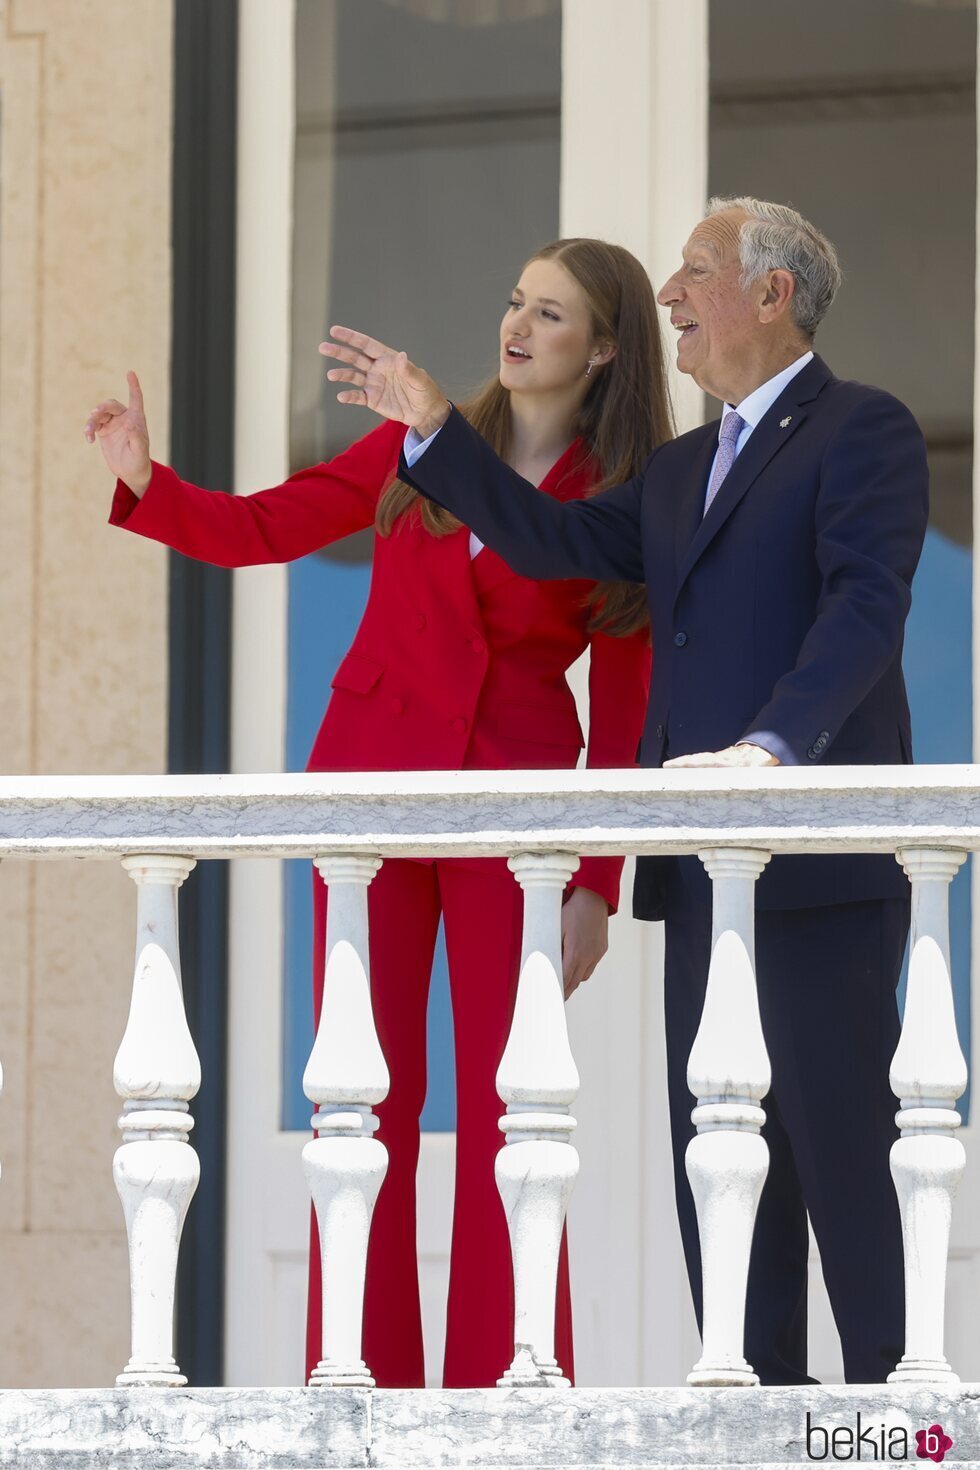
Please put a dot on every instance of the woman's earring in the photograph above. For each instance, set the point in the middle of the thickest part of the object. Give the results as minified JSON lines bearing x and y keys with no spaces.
{"x":590,"y":366}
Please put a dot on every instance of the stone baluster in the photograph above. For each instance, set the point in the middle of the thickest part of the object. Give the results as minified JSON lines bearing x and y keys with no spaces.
{"x":728,"y":1072}
{"x":346,"y":1076}
{"x":538,"y":1081}
{"x":928,"y":1074}
{"x":156,"y":1072}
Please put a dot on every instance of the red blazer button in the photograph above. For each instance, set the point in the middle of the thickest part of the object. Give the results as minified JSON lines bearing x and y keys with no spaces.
{"x":478,"y":645}
{"x":459,"y":725}
{"x":419,"y":621}
{"x":396,"y":705}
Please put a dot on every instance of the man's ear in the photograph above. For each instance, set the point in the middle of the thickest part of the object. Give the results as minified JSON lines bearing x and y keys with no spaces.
{"x":778,"y":291}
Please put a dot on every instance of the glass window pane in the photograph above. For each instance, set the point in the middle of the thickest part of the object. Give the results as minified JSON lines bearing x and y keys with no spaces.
{"x":426,"y":171}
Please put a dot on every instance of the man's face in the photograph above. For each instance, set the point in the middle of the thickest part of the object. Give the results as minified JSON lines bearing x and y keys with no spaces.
{"x":715,"y":318}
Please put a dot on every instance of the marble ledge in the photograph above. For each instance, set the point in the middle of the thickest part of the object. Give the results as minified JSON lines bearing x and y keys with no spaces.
{"x":856,"y":809}
{"x":577,"y":1429}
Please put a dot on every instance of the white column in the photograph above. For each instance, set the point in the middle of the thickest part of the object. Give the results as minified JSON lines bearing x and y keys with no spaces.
{"x":538,"y":1081}
{"x":636,"y":172}
{"x":263,"y":241}
{"x":928,"y":1074}
{"x":651,"y":56}
{"x":157,"y":1072}
{"x":345,"y":1077}
{"x":728,"y":1072}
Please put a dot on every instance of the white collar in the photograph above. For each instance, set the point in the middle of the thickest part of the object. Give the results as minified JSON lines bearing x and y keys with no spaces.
{"x":760,"y":400}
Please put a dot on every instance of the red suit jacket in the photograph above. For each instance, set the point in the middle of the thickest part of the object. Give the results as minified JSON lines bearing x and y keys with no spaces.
{"x":458,"y":663}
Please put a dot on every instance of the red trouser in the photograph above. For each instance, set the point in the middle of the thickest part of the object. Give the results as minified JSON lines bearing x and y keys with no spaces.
{"x":482,"y":912}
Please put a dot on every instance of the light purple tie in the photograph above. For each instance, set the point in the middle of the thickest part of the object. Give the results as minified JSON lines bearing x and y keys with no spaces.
{"x":732,"y":426}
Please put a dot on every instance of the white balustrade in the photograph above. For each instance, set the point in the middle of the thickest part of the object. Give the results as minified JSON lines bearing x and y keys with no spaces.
{"x":538,"y":1081}
{"x":928,"y":1074}
{"x":346,"y":1076}
{"x":728,"y":1072}
{"x":724,"y":814}
{"x":156,"y":1072}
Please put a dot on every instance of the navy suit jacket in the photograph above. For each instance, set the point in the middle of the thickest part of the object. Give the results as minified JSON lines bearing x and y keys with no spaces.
{"x":779,"y":614}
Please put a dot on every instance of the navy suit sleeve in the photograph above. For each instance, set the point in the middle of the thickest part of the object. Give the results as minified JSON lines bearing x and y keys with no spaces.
{"x":536,"y":534}
{"x":872,"y":509}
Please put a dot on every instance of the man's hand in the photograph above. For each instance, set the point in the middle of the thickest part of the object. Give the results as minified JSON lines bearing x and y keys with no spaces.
{"x":385,"y":381}
{"x":584,"y":936}
{"x":123,"y":437}
{"x":741,"y":755}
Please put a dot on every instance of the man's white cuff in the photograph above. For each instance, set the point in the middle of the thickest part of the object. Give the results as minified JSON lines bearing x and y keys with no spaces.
{"x":414,"y":447}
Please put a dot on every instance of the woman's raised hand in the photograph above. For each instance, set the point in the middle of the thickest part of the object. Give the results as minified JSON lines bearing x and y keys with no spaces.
{"x":385,"y":381}
{"x":123,"y":438}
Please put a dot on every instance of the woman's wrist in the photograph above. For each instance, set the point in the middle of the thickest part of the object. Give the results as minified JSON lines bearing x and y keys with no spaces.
{"x":589,"y":895}
{"x":139,"y":484}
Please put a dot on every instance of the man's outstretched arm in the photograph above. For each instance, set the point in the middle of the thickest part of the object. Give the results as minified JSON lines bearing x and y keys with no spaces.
{"x":534,"y":533}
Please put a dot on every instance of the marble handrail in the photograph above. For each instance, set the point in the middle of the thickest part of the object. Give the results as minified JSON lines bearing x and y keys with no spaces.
{"x":487,"y":813}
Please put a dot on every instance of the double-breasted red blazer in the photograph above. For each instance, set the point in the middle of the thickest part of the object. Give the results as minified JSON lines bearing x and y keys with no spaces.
{"x":458,"y":663}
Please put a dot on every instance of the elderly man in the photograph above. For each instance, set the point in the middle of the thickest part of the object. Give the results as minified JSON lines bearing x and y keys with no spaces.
{"x":778,"y":550}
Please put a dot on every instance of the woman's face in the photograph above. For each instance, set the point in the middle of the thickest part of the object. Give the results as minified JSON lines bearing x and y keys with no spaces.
{"x":546,"y":333}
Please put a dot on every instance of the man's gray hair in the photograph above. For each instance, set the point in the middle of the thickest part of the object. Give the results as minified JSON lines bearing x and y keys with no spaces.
{"x":777,"y":238}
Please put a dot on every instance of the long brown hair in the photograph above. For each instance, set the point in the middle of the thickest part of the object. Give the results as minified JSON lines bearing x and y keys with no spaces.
{"x":624,"y":417}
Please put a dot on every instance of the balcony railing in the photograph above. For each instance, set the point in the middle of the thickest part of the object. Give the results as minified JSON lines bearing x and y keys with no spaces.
{"x":159,"y":827}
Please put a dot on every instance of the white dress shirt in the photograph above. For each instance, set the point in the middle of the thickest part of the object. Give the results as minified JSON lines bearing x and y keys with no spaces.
{"x":752,"y":409}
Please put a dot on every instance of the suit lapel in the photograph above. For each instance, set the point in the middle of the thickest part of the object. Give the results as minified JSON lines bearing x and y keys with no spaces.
{"x":776,"y":428}
{"x":489,"y":570}
{"x":462,"y":572}
{"x":446,"y":560}
{"x":565,"y":480}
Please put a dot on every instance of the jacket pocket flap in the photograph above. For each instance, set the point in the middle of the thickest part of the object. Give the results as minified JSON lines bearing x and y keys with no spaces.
{"x":537,"y":722}
{"x":358,"y":674}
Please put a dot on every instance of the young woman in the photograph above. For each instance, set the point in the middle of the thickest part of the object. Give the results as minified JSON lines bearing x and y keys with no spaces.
{"x":458,"y":664}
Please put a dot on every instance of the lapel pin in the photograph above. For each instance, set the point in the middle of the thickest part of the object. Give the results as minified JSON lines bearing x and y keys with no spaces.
{"x":785,"y":423}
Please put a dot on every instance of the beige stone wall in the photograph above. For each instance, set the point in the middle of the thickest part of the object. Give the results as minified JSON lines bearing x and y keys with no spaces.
{"x":85,"y":143}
